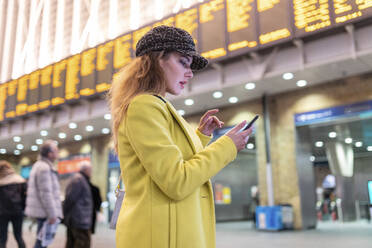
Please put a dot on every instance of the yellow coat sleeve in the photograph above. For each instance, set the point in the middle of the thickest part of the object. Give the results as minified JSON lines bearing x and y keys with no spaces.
{"x":147,"y":127}
{"x":203,"y":138}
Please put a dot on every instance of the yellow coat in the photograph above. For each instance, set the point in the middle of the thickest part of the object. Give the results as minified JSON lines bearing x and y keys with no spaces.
{"x":166,"y":169}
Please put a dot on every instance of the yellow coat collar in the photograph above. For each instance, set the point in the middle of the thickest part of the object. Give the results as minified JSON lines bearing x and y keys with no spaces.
{"x":187,"y":129}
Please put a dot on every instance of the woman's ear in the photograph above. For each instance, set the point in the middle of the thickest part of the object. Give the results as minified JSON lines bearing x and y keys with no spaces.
{"x":162,"y":62}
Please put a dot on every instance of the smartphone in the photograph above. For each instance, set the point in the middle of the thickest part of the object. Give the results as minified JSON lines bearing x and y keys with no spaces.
{"x":251,"y":123}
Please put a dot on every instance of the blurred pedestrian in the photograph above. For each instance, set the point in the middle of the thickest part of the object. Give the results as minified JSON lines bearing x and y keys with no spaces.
{"x":166,"y":164}
{"x":43,"y":200}
{"x":12,"y":203}
{"x":254,"y":203}
{"x":97,"y":201}
{"x":78,"y":208}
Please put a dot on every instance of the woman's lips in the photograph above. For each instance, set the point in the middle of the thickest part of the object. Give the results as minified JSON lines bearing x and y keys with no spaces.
{"x":183,"y":84}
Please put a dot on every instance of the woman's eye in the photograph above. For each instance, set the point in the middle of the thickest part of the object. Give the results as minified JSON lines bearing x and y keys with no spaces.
{"x":184,"y":63}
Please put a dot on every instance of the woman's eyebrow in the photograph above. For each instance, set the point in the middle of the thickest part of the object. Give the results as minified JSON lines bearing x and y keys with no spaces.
{"x":188,"y":58}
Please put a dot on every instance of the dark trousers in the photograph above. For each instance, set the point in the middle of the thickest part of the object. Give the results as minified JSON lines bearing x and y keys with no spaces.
{"x":78,"y":238}
{"x":17,"y":221}
{"x":40,"y":223}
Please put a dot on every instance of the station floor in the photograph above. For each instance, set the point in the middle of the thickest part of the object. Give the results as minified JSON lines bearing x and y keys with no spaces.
{"x":241,"y":234}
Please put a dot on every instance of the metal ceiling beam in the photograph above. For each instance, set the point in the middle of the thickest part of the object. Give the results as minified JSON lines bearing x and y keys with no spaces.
{"x":221,"y":73}
{"x":19,"y":54}
{"x":113,"y":19}
{"x":44,"y":50}
{"x":30,"y":43}
{"x":8,"y":37}
{"x":300,"y":45}
{"x":59,"y":31}
{"x":350,"y":30}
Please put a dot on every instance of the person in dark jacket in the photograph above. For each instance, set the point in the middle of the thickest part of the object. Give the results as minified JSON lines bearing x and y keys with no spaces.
{"x":97,"y":201}
{"x":12,"y":203}
{"x":78,"y":208}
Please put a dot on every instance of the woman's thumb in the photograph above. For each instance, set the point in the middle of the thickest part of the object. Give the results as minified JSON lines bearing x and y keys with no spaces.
{"x":239,"y":126}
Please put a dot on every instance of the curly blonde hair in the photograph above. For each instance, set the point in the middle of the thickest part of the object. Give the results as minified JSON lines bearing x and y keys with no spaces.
{"x":142,"y":75}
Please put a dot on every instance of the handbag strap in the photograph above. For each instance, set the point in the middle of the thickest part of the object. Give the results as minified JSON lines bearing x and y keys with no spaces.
{"x":117,"y":189}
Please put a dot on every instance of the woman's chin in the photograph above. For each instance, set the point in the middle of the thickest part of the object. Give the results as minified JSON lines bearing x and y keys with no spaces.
{"x":175,"y":93}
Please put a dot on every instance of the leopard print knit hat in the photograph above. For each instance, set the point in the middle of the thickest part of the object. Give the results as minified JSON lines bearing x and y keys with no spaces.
{"x":167,"y":38}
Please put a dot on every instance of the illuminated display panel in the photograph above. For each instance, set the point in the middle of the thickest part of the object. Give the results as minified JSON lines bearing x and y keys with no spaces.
{"x":212,"y":31}
{"x":58,"y":84}
{"x":21,"y":106}
{"x":137,"y":35}
{"x":274,"y":20}
{"x":45,"y":87}
{"x":33,"y":92}
{"x":188,"y":20}
{"x":348,"y":10}
{"x":241,"y":25}
{"x":219,"y":28}
{"x":310,"y":16}
{"x":87,"y":72}
{"x":122,"y":51}
{"x":3,"y":95}
{"x":11,"y":99}
{"x":72,"y":77}
{"x":167,"y":21}
{"x":104,"y":72}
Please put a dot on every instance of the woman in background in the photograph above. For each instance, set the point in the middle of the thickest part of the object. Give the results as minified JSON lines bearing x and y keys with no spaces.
{"x":165,"y":164}
{"x":12,"y":203}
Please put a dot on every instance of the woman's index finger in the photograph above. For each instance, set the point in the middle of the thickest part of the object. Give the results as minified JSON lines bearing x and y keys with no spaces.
{"x":209,"y":113}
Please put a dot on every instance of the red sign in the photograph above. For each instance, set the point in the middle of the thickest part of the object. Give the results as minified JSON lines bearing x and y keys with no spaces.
{"x":72,"y":165}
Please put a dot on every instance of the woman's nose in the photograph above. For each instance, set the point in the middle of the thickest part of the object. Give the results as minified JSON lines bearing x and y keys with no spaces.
{"x":189,"y":74}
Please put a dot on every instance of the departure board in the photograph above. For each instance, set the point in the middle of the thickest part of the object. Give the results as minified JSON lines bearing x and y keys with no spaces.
{"x":347,"y":10}
{"x":45,"y":92}
{"x":21,"y":107}
{"x":220,"y":29}
{"x":105,"y":57}
{"x":311,"y":15}
{"x":11,"y":99}
{"x":212,"y":31}
{"x":72,"y":78}
{"x":241,"y":25}
{"x":87,"y":72}
{"x":168,"y":22}
{"x":188,"y":20}
{"x":137,"y":35}
{"x":273,"y":28}
{"x":33,"y":92}
{"x":123,"y":51}
{"x":3,"y":95}
{"x":58,"y":86}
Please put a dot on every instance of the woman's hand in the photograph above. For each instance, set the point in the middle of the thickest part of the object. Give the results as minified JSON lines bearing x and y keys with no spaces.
{"x":208,"y":123}
{"x":240,"y":139}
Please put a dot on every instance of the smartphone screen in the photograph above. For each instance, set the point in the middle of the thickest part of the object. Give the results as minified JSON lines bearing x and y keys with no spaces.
{"x":251,"y":122}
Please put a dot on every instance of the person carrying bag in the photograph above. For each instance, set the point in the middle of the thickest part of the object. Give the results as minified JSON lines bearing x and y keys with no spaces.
{"x":166,"y":165}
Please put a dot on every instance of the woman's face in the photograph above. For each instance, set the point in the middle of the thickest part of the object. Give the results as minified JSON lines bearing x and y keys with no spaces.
{"x":177,"y":72}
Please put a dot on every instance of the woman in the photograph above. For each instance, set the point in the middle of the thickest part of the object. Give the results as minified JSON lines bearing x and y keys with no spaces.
{"x":165,"y":164}
{"x":12,"y":203}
